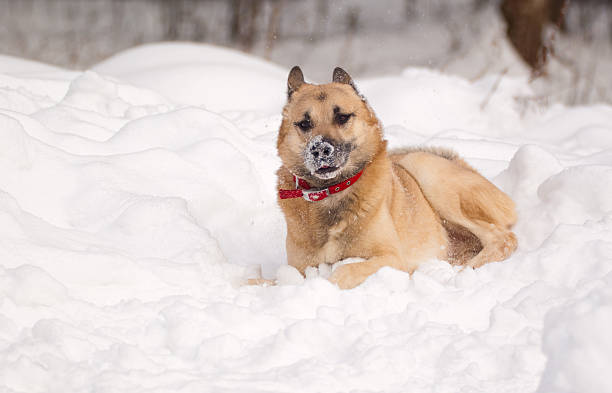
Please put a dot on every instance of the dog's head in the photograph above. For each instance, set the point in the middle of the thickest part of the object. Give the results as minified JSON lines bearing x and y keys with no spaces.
{"x":328,"y":132}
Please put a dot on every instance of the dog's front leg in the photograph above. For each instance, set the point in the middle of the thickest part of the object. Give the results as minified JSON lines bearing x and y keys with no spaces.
{"x":350,"y":275}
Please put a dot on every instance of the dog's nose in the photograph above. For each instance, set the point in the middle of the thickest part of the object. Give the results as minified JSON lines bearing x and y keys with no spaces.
{"x":322,"y":150}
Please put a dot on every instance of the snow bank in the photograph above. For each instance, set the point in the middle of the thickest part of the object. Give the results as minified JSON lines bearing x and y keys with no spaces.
{"x":577,"y":344}
{"x":217,"y":78}
{"x":136,"y":198}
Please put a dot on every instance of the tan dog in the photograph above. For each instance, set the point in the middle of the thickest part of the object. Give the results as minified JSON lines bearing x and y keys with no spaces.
{"x":344,"y":195}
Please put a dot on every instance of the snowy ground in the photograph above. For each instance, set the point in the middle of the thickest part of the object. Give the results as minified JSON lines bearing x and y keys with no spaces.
{"x":135,"y":199}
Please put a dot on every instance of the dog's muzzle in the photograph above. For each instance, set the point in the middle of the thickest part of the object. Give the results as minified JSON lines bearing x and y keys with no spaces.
{"x":323,"y":156}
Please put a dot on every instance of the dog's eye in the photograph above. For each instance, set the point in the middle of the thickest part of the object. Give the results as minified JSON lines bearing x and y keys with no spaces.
{"x":304,"y":125}
{"x":342,"y":118}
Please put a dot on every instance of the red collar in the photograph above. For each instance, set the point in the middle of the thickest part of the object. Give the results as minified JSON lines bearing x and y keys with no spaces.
{"x":316,"y":195}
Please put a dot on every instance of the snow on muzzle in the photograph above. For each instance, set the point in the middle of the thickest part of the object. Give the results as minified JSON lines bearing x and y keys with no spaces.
{"x":324,"y":157}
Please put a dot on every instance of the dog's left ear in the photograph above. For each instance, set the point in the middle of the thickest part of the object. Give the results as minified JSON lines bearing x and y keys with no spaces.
{"x":295,"y":80}
{"x":341,"y":76}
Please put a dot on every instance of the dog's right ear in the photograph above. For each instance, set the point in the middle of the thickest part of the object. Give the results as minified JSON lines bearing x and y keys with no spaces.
{"x":341,"y":76}
{"x":295,"y":80}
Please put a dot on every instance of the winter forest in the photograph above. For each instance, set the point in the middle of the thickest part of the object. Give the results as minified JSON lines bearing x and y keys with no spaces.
{"x":576,"y":35}
{"x":143,"y":247}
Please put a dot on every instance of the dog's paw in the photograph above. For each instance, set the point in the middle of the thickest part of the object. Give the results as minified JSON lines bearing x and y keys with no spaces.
{"x":347,"y":276}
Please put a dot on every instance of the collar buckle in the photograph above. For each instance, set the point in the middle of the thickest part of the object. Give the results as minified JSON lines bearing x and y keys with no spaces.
{"x":315,"y":195}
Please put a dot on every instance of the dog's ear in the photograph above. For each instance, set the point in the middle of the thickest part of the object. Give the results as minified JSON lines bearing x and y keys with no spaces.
{"x":341,"y":76}
{"x":295,"y":80}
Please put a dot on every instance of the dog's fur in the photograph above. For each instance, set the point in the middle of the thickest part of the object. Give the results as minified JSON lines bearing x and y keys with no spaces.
{"x":409,"y":205}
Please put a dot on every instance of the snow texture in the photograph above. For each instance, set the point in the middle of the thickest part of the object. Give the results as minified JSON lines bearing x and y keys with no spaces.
{"x":135,"y":199}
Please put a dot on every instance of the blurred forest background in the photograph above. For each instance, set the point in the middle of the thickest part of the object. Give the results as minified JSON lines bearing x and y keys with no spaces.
{"x":565,"y":47}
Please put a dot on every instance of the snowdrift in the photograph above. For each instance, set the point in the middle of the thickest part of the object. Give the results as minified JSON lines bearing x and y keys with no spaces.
{"x":136,"y":198}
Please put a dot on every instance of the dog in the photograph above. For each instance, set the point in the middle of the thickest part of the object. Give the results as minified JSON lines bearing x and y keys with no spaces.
{"x":344,"y":195}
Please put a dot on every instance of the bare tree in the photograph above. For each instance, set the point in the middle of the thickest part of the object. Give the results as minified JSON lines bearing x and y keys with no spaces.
{"x":273,"y":27}
{"x":243,"y":24}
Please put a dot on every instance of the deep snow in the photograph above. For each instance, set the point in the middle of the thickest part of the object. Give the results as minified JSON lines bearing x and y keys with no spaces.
{"x":137,"y":197}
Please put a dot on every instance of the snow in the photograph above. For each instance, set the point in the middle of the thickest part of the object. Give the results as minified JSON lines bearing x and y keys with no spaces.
{"x":218,"y":78}
{"x":137,"y":198}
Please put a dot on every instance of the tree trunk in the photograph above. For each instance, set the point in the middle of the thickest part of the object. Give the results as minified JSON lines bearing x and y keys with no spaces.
{"x":526,"y":21}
